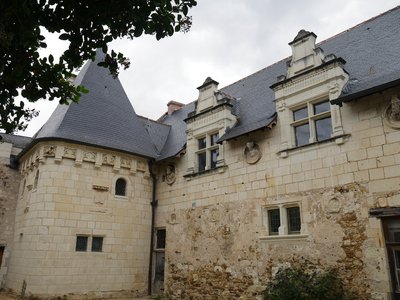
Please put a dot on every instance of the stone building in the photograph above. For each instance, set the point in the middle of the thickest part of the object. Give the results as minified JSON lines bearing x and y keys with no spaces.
{"x":298,"y":162}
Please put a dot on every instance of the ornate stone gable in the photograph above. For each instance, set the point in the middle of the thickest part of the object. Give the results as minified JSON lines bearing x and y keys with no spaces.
{"x":312,"y":79}
{"x":209,"y":121}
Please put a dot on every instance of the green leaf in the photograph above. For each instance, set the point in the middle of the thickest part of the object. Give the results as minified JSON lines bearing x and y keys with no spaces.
{"x":64,"y":36}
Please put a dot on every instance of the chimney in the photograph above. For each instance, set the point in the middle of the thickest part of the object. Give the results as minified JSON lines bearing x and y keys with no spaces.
{"x":173,"y":106}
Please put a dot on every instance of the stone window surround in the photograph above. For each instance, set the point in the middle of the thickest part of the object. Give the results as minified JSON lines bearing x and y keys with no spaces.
{"x":338,"y":135}
{"x":89,"y":243}
{"x":127,"y":187}
{"x":310,"y":120}
{"x":208,"y":150}
{"x":283,"y":229}
{"x":120,"y":181}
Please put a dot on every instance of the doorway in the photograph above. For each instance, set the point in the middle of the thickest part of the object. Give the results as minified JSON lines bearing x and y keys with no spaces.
{"x":391,"y":228}
{"x":159,"y":254}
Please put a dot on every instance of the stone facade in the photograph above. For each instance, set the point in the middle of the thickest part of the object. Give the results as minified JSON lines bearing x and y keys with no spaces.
{"x":74,"y":195}
{"x":9,"y":183}
{"x":212,"y":200}
{"x":218,"y":245}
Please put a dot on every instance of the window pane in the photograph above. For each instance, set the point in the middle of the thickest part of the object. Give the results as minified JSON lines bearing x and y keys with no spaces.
{"x":294,"y":223}
{"x":323,"y":128}
{"x":202,"y":161}
{"x":300,"y":114}
{"x":97,"y":244}
{"x":214,"y":139}
{"x":302,"y":134}
{"x":160,"y":239}
{"x":120,"y":187}
{"x":393,"y":231}
{"x":214,"y":157}
{"x":274,"y":221}
{"x":202,"y":143}
{"x":321,"y":107}
{"x":81,"y":243}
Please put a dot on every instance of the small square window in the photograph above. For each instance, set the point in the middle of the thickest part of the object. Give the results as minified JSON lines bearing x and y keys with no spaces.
{"x":81,"y":243}
{"x":274,"y":221}
{"x":97,"y":244}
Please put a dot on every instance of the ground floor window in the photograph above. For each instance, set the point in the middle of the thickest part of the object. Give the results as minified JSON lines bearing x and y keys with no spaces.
{"x":83,"y":241}
{"x":159,"y":255}
{"x":282,"y":219}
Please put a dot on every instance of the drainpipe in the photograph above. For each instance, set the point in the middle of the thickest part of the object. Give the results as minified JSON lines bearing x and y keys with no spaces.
{"x":153,"y":212}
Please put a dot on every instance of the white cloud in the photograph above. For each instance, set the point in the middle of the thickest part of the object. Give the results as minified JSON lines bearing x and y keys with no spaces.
{"x":229,"y":39}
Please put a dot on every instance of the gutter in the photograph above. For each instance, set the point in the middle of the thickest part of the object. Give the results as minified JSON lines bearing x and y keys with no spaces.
{"x":376,"y":89}
{"x":153,"y":203}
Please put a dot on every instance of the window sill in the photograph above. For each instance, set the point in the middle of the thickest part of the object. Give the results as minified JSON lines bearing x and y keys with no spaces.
{"x":340,"y":139}
{"x":220,"y":169}
{"x":120,"y":197}
{"x":284,"y":237}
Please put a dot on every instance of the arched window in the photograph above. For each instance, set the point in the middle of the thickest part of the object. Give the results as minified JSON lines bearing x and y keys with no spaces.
{"x":35,"y":183}
{"x":120,"y":187}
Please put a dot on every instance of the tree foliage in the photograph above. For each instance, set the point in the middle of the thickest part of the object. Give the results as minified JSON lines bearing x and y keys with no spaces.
{"x":87,"y":25}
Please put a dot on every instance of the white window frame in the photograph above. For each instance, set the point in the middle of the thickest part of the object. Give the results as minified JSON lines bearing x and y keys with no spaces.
{"x":283,"y":231}
{"x":208,"y":150}
{"x":310,"y":120}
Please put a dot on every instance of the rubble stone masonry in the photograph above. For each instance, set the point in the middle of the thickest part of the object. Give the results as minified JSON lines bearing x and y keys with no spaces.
{"x":218,"y":245}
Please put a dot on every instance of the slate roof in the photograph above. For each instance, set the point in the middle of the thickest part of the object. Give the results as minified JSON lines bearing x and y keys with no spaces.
{"x":18,"y":141}
{"x":104,"y":117}
{"x":371,"y":52}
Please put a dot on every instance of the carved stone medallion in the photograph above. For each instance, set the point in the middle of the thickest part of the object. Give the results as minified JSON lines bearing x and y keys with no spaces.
{"x":252,"y":153}
{"x":391,"y":114}
{"x":170,"y":176}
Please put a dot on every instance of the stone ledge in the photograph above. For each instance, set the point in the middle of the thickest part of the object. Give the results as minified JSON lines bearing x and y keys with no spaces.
{"x":283,"y":237}
{"x":340,"y":139}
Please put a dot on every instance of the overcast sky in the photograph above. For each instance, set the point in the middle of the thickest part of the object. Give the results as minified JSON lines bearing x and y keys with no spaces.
{"x":229,"y":40}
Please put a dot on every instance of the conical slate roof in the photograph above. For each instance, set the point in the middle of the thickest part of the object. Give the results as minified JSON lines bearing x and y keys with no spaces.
{"x":104,"y":117}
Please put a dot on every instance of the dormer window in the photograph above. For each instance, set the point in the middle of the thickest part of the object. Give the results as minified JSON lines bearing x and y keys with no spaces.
{"x":207,"y":153}
{"x":312,"y":123}
{"x":304,"y":94}
{"x":120,"y":187}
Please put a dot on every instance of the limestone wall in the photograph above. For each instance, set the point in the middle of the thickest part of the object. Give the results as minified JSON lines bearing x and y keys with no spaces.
{"x":74,"y":194}
{"x":9,"y":184}
{"x":218,"y":246}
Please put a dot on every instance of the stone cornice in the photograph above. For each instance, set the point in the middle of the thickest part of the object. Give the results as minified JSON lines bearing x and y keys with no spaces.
{"x":60,"y":151}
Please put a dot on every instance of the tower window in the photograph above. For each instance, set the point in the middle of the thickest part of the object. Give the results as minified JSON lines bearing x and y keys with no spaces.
{"x":120,"y":187}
